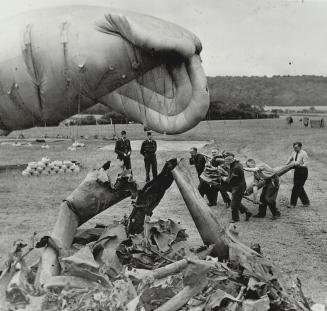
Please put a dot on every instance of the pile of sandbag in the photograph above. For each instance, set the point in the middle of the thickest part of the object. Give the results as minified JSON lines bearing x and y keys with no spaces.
{"x":47,"y":167}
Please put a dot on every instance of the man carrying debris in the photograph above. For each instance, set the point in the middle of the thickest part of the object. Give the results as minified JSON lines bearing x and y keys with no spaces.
{"x":211,"y":180}
{"x":148,"y":150}
{"x":264,"y":173}
{"x":198,"y":160}
{"x":300,"y":159}
{"x":124,"y":150}
{"x":237,"y":184}
{"x":218,"y":159}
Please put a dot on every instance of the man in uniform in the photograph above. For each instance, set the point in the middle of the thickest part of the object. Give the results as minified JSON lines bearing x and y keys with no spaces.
{"x":236,"y":182}
{"x":148,"y":150}
{"x":124,"y":150}
{"x":264,"y":173}
{"x":198,"y":160}
{"x":300,"y":159}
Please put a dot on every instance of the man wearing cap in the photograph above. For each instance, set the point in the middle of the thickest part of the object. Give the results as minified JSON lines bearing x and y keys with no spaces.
{"x":219,"y":162}
{"x":300,"y":159}
{"x":124,"y":150}
{"x":198,"y":160}
{"x":148,"y":150}
{"x":211,"y":180}
{"x":236,"y":181}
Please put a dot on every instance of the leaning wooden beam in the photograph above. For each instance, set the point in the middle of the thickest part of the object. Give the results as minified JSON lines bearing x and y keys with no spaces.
{"x":89,"y":199}
{"x":226,"y":241}
{"x":210,"y":230}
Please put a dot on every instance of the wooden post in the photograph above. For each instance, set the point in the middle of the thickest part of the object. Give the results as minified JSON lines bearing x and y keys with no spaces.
{"x":210,"y":230}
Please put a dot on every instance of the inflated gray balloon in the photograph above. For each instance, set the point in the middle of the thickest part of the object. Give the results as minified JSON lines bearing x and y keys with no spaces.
{"x":54,"y":60}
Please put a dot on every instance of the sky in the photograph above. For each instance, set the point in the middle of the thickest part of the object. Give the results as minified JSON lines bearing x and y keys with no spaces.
{"x":239,"y":37}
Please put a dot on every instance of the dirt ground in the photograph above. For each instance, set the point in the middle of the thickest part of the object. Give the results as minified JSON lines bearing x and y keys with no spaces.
{"x":297,"y":243}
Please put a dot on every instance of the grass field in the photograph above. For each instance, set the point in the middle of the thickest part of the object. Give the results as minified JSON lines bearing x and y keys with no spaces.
{"x":297,"y":243}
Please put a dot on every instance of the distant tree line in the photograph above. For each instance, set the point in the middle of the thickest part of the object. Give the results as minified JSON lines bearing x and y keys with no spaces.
{"x":242,"y":97}
{"x":85,"y":120}
{"x":269,"y":91}
{"x":217,"y":111}
{"x":222,"y":111}
{"x":114,"y":117}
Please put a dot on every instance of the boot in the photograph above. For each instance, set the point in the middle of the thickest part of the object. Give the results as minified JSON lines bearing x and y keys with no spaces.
{"x":259,"y":216}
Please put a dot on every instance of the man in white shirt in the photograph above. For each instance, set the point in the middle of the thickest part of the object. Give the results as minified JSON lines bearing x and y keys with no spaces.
{"x":300,"y":159}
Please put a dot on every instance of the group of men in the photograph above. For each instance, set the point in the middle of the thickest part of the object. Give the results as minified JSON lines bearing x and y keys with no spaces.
{"x":148,"y":150}
{"x":223,"y":173}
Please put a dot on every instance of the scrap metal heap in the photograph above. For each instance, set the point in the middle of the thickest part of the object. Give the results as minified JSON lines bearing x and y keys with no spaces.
{"x":141,"y":264}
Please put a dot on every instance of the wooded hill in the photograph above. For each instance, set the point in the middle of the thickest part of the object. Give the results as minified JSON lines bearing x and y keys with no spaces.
{"x":274,"y":91}
{"x":235,"y":97}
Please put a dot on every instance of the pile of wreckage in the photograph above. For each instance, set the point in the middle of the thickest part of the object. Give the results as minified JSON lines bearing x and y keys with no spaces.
{"x":140,"y":264}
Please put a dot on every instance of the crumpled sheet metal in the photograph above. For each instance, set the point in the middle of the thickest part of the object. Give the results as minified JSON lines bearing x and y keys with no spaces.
{"x":189,"y":284}
{"x":91,"y":197}
{"x":56,"y":61}
{"x":87,"y":200}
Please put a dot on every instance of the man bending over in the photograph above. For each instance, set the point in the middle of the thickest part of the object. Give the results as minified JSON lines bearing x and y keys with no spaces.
{"x":263,"y":173}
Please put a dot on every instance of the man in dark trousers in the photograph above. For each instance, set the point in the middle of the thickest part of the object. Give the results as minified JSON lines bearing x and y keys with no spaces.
{"x":300,"y":159}
{"x":218,"y":161}
{"x":264,"y":173}
{"x":198,"y":160}
{"x":236,"y":182}
{"x":211,"y":180}
{"x":124,"y":150}
{"x":148,"y":150}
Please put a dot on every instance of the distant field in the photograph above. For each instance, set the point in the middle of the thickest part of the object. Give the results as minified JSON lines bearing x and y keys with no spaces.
{"x":136,"y":131}
{"x":297,"y":242}
{"x":297,"y":108}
